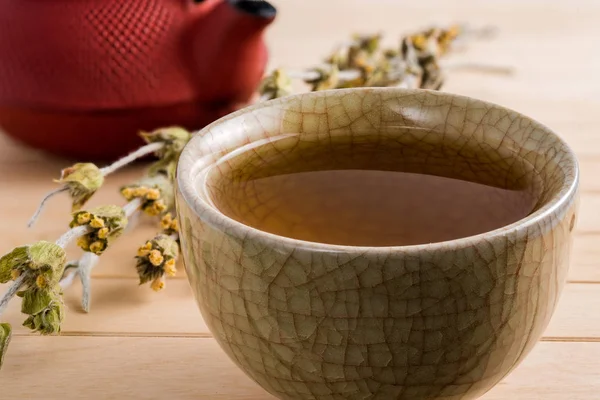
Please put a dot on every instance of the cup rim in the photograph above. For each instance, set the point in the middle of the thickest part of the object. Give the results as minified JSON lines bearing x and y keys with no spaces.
{"x":194,"y":201}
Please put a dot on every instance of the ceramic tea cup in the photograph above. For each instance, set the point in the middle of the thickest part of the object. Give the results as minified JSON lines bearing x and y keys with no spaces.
{"x":443,"y":320}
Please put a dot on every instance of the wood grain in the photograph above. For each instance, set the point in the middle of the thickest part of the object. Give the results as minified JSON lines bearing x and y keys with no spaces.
{"x":196,"y":368}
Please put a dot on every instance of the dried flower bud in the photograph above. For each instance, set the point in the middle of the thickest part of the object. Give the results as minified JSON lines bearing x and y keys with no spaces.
{"x":169,"y":225}
{"x":156,"y":193}
{"x":275,"y":85}
{"x":145,"y":249}
{"x":103,"y":233}
{"x":107,"y":223}
{"x":83,"y":218}
{"x":14,"y":274}
{"x":96,"y":222}
{"x":84,"y":242}
{"x":170,"y":268}
{"x":174,"y":138}
{"x":82,"y":180}
{"x":5,"y":336}
{"x":98,"y":247}
{"x":158,"y":284}
{"x":41,"y":282}
{"x":157,"y":257}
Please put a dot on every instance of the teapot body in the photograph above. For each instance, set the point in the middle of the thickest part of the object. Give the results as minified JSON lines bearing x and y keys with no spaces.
{"x":82,"y":78}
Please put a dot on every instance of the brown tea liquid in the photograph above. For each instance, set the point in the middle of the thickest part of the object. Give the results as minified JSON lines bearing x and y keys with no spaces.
{"x":371,"y":193}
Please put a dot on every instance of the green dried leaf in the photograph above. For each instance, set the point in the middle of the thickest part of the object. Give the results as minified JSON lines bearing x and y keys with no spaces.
{"x":163,"y":167}
{"x":5,"y":336}
{"x":29,"y":323}
{"x":47,"y":256}
{"x":175,"y":138}
{"x":51,"y":319}
{"x":16,"y":258}
{"x":48,"y":321}
{"x":167,"y":246}
{"x":37,"y":300}
{"x":82,"y":181}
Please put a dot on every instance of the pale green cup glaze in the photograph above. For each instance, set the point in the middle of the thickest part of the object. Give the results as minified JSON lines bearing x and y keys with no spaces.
{"x":445,"y":320}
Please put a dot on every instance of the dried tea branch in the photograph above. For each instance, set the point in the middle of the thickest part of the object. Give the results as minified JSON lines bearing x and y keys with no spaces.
{"x":82,"y":180}
{"x":416,"y":63}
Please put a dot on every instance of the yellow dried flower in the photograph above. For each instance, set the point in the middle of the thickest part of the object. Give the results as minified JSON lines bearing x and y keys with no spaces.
{"x":84,"y":242}
{"x":97,"y":223}
{"x":83,"y":218}
{"x":166,"y":221}
{"x":144,"y":250}
{"x":97,"y":247}
{"x":170,"y":268}
{"x":103,"y":233}
{"x":156,"y":258}
{"x":155,"y":208}
{"x":41,"y":282}
{"x":175,"y":225}
{"x":127,"y":193}
{"x":160,"y":206}
{"x":158,"y":284}
{"x":15,"y":273}
{"x":139,"y":192}
{"x":420,"y":42}
{"x":153,"y":194}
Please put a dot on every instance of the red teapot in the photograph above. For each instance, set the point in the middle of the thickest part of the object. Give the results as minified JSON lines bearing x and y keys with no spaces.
{"x":81,"y":78}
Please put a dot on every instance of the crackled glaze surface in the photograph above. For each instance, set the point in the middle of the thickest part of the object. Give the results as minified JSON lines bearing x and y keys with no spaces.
{"x":440,"y":321}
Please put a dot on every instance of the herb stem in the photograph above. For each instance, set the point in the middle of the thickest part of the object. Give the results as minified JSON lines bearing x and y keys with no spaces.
{"x":48,"y":196}
{"x":131,"y":207}
{"x":308,"y":75}
{"x":72,"y":234}
{"x":87,"y":262}
{"x":12,"y":290}
{"x":139,"y":153}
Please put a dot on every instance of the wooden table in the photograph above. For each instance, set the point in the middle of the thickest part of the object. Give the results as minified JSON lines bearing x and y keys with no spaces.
{"x":137,"y":344}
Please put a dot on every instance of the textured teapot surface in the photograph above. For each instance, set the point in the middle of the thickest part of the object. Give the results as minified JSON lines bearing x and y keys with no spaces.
{"x":114,"y":56}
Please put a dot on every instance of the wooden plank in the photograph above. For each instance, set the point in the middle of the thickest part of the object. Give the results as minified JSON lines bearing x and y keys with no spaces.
{"x":58,"y":368}
{"x":589,"y":168}
{"x":585,"y":259}
{"x":576,"y":314}
{"x":589,"y":218}
{"x":120,"y":307}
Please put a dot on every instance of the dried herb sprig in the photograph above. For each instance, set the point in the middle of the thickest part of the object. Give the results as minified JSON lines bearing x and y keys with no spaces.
{"x":362,"y":62}
{"x":82,"y":180}
{"x":157,"y":258}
